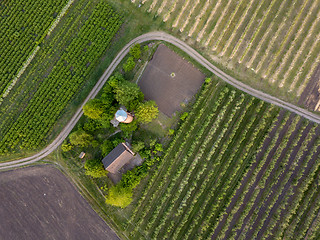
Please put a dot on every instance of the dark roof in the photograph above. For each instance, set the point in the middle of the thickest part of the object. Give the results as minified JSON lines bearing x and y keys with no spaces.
{"x":118,"y":157}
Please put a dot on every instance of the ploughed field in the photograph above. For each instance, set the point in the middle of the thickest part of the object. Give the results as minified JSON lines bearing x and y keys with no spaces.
{"x":63,"y":64}
{"x":40,"y":203}
{"x":169,"y":80}
{"x":236,"y":168}
{"x":276,"y":40}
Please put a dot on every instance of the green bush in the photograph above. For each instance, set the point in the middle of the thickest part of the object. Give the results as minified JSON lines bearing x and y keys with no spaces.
{"x":147,"y":111}
{"x":138,"y":146}
{"x":119,"y":197}
{"x":106,"y":147}
{"x":80,"y":138}
{"x":129,"y":65}
{"x":94,"y":168}
{"x":65,"y":147}
{"x":135,"y":51}
{"x":128,"y":128}
{"x":184,"y":116}
{"x":171,"y":132}
{"x":94,"y":109}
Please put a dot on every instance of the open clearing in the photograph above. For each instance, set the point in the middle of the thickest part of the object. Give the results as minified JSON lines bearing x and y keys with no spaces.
{"x":170,"y":80}
{"x":40,"y":203}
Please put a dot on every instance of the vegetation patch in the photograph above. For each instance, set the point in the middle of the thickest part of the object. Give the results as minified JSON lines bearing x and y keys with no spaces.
{"x":65,"y":65}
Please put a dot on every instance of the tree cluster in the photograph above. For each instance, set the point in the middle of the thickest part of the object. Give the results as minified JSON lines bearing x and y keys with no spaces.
{"x":120,"y":195}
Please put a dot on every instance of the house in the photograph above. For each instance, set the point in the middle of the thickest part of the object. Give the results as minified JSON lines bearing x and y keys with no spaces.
{"x":117,"y":158}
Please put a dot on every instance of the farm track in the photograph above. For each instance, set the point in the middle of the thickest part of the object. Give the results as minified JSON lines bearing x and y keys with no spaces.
{"x":192,"y":53}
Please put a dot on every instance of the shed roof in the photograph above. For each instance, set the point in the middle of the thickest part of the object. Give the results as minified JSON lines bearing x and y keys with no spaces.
{"x":118,"y":157}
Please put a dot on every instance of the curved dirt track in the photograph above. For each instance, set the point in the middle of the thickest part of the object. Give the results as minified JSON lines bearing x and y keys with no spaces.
{"x":192,"y":53}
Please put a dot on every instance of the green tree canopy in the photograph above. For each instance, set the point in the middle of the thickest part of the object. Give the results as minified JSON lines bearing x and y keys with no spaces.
{"x":137,"y":146}
{"x":147,"y":111}
{"x":135,"y":51}
{"x":107,"y":96}
{"x":92,"y":125}
{"x":127,"y":92}
{"x":80,"y":138}
{"x":106,"y":147}
{"x":115,"y":80}
{"x":129,"y":64}
{"x":65,"y":147}
{"x":128,"y":128}
{"x":94,"y":109}
{"x":94,"y":168}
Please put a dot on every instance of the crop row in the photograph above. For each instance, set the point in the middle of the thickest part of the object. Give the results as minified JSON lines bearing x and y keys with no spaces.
{"x":63,"y":81}
{"x":23,"y":25}
{"x":190,"y":123}
{"x":191,"y":186}
{"x":192,"y":144}
{"x":256,"y":34}
{"x":182,"y":177}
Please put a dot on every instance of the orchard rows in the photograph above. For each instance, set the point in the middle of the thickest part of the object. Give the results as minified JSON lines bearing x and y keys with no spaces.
{"x":277,"y":40}
{"x":57,"y":73}
{"x":203,"y":166}
{"x":24,"y":24}
{"x":236,"y":168}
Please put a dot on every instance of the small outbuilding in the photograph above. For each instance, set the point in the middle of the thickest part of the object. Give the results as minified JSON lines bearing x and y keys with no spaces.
{"x":82,"y":154}
{"x":117,"y":158}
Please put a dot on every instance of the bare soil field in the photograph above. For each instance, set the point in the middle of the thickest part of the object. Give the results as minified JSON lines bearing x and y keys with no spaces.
{"x":311,"y":94}
{"x":40,"y":203}
{"x":170,"y":80}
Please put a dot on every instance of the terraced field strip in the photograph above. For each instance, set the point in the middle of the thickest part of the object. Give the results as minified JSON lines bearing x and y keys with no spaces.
{"x":305,"y":47}
{"x":208,"y":21}
{"x":263,"y":31}
{"x":256,"y":14}
{"x":266,"y":56}
{"x":237,"y":9}
{"x":200,"y":17}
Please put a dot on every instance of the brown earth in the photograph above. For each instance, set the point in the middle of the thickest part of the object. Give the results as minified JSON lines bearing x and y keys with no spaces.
{"x":170,"y":91}
{"x":311,"y":94}
{"x":40,"y":203}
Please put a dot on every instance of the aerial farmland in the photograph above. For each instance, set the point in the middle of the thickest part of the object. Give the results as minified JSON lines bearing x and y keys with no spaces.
{"x":160,"y":119}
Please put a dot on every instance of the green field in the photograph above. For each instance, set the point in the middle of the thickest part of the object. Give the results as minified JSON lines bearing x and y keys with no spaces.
{"x":59,"y":70}
{"x":236,"y":167}
{"x":277,"y":41}
{"x":24,"y":24}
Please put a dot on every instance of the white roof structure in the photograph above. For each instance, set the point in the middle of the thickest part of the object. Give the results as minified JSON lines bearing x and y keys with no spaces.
{"x":121,"y":115}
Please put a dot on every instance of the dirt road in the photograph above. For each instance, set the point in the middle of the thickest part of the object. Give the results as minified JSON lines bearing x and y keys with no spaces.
{"x":190,"y":51}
